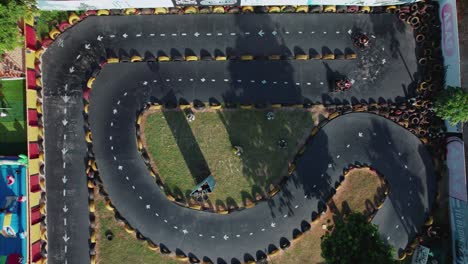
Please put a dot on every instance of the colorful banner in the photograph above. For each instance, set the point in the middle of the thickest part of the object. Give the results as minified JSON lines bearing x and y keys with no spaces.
{"x":450,"y":49}
{"x":206,"y":2}
{"x":459,"y":222}
{"x":326,"y":2}
{"x":456,"y":168}
{"x":101,"y":4}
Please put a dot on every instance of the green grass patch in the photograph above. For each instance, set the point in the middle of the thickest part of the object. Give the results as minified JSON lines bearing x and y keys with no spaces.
{"x":123,"y":248}
{"x":13,"y":126}
{"x":185,"y":152}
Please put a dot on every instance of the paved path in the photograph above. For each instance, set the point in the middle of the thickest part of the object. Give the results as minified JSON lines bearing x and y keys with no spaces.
{"x":389,"y":72}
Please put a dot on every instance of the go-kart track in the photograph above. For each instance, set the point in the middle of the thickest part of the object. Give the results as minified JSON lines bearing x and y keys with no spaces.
{"x":387,"y":70}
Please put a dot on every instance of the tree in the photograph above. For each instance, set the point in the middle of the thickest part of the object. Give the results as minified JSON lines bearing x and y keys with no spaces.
{"x":355,"y":240}
{"x":11,"y":12}
{"x":452,"y":105}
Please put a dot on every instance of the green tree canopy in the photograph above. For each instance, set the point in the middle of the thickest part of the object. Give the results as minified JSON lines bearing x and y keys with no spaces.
{"x":355,"y":240}
{"x":452,"y":105}
{"x":11,"y":12}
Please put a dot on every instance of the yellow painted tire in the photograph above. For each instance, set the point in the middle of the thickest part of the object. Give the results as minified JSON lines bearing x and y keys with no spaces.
{"x":129,"y":229}
{"x":38,"y":53}
{"x":43,"y":208}
{"x":402,"y":256}
{"x":163,"y":58}
{"x":90,"y":82}
{"x":89,"y":138}
{"x":38,"y":81}
{"x":246,"y":57}
{"x":246,"y":106}
{"x":291,"y":168}
{"x":39,"y":107}
{"x":103,"y":12}
{"x":191,"y":58}
{"x":302,"y":9}
{"x":314,"y":131}
{"x":53,"y":34}
{"x":140,"y":144}
{"x":351,"y":56}
{"x":274,"y":9}
{"x":44,"y":235}
{"x":86,"y":108}
{"x":273,"y":192}
{"x":93,"y":259}
{"x":112,"y":60}
{"x":429,"y":221}
{"x":391,"y":9}
{"x":220,"y":58}
{"x":42,"y":184}
{"x":364,"y":9}
{"x":218,"y":10}
{"x":92,"y":206}
{"x":329,"y":56}
{"x":334,"y":115}
{"x":247,"y":9}
{"x":135,"y":58}
{"x":273,"y":252}
{"x":90,"y":184}
{"x":41,"y":156}
{"x":160,"y":11}
{"x":302,"y":57}
{"x":274,"y":57}
{"x":191,"y":10}
{"x":130,"y":11}
{"x":152,"y":246}
{"x":73,"y":18}
{"x":316,"y":56}
{"x":93,"y":237}
{"x":329,"y":9}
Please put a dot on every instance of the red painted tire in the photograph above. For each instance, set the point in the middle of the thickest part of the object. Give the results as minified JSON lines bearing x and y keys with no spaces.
{"x":63,"y":26}
{"x":91,"y":13}
{"x":46,"y":42}
{"x":352,"y":9}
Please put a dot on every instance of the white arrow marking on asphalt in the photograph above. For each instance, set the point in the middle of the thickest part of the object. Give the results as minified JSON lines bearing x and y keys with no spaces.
{"x":196,"y":34}
{"x":125,"y":35}
{"x":64,"y":122}
{"x":138,"y":35}
{"x":225,"y":237}
{"x":87,"y":46}
{"x":360,"y":134}
{"x":64,"y":151}
{"x":65,"y":98}
{"x":65,"y":238}
{"x":145,"y":83}
{"x":185,"y":231}
{"x":261,"y":33}
{"x":350,"y":31}
{"x":264,"y":81}
{"x":64,"y":192}
{"x":64,"y":179}
{"x":120,"y":167}
{"x":273,"y":225}
{"x":65,"y":208}
{"x":274,"y":33}
{"x":72,"y":69}
{"x":99,"y":38}
{"x":114,"y":111}
{"x":384,"y":61}
{"x":148,"y":206}
{"x":329,"y":166}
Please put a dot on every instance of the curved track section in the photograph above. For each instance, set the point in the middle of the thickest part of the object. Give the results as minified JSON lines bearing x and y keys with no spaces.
{"x":351,"y":138}
{"x":77,"y":53}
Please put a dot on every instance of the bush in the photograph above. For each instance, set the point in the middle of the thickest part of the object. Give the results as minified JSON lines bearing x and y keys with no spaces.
{"x":11,"y":12}
{"x":452,"y":105}
{"x":354,"y":240}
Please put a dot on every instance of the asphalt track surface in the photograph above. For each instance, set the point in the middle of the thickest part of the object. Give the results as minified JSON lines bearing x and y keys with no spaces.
{"x":388,"y":72}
